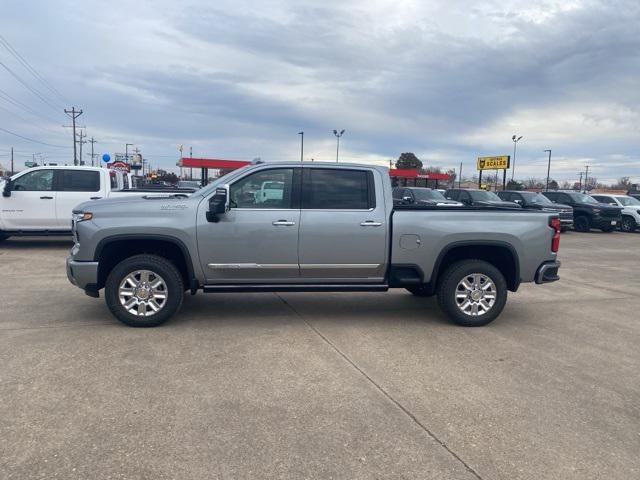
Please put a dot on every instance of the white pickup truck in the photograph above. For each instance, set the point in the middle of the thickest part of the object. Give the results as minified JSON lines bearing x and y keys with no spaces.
{"x":39,"y":201}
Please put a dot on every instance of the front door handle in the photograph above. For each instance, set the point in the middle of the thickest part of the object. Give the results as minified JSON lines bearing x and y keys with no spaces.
{"x":283,"y":223}
{"x":370,"y":223}
{"x":95,"y":198}
{"x":46,"y":198}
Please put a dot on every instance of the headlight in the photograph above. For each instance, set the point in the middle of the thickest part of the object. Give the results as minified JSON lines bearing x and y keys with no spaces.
{"x":82,"y":216}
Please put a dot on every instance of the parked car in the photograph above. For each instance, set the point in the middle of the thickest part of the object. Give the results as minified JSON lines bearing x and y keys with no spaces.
{"x":335,"y":228}
{"x":422,"y":196}
{"x":630,"y":209}
{"x":478,"y":198}
{"x":588,"y":213}
{"x":537,"y":201}
{"x":39,"y":201}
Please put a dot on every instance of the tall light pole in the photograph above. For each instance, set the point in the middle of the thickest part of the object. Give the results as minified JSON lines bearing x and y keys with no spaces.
{"x":548,"y":169}
{"x":301,"y":145}
{"x":338,"y":135}
{"x":515,"y":139}
{"x":126,"y":151}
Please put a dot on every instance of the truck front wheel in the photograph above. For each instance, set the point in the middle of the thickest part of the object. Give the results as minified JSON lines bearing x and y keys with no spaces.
{"x":144,"y":290}
{"x":472,"y":293}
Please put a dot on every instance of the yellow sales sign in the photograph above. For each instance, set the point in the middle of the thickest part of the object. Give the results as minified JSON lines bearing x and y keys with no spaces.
{"x":493,"y":163}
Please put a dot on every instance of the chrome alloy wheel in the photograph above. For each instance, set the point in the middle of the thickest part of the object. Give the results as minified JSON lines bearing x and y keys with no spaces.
{"x":143,"y":293}
{"x":475,"y":294}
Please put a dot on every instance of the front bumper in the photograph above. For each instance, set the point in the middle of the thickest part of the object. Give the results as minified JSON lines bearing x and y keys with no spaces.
{"x":548,"y":272}
{"x":83,"y":275}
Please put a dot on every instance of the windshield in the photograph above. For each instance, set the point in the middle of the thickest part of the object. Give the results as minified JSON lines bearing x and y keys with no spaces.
{"x":484,"y":196}
{"x":627,"y":201}
{"x":428,"y":194}
{"x":536,"y":198}
{"x":582,"y":197}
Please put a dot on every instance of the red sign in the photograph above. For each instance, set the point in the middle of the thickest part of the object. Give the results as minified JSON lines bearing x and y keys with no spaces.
{"x":120,"y":166}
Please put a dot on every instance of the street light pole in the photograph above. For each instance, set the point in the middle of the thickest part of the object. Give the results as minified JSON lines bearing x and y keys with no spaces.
{"x":515,"y":139}
{"x":338,"y":135}
{"x":586,"y":179}
{"x":301,"y":145}
{"x":548,"y":169}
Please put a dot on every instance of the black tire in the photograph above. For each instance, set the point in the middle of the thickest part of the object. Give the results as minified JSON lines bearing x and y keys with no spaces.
{"x":448,"y":289}
{"x":628,"y":224}
{"x":581,"y":224}
{"x":3,"y":237}
{"x":158,"y":266}
{"x":420,"y":291}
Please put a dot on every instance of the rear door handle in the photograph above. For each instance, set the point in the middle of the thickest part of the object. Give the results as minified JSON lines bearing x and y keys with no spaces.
{"x":95,"y":198}
{"x":370,"y":223}
{"x":283,"y":223}
{"x":46,"y":198}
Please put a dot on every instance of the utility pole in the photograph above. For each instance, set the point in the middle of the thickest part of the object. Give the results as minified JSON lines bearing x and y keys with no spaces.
{"x":92,"y":141}
{"x":580,"y":184}
{"x":301,"y":145}
{"x":12,"y":172}
{"x":586,"y":180}
{"x":81,"y":141}
{"x":73,"y":114}
{"x":190,"y":168}
{"x":459,"y":176}
{"x":338,"y":135}
{"x":548,"y":169}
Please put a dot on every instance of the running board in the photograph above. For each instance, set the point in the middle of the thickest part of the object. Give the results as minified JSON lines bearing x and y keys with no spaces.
{"x":298,"y":287}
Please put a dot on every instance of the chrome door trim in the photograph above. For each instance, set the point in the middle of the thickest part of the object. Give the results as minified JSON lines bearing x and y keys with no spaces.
{"x":312,"y":266}
{"x":236,"y":266}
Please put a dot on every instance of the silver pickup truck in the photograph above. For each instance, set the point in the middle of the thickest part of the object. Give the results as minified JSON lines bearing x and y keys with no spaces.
{"x":313,"y":227}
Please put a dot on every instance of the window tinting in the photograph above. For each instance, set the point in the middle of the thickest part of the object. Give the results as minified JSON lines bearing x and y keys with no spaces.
{"x":263,"y":189}
{"x":36,"y":181}
{"x":80,"y":181}
{"x":329,"y":189}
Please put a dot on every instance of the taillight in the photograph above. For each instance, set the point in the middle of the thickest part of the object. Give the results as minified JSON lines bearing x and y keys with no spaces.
{"x":554,"y":222}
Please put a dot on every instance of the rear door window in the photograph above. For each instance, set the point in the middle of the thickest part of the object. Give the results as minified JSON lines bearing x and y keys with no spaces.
{"x":80,"y":181}
{"x":337,"y":189}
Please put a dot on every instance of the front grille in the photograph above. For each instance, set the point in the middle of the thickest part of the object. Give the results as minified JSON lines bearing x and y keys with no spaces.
{"x":610,"y":213}
{"x":566,"y":215}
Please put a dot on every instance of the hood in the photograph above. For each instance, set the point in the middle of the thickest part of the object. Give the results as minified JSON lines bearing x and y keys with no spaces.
{"x":606,"y":206}
{"x":131,"y":204}
{"x":438,"y":202}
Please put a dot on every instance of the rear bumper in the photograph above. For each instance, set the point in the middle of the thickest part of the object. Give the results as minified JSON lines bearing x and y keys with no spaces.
{"x":83,"y":275}
{"x":548,"y":272}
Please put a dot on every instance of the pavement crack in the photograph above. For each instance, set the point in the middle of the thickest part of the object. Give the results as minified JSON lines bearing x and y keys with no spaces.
{"x":384,"y":392}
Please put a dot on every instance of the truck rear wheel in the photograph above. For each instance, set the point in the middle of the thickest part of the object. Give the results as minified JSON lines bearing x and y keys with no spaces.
{"x":472,"y":293}
{"x":144,"y":291}
{"x":581,"y":224}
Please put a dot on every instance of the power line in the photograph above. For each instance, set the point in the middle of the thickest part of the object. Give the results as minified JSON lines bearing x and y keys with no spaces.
{"x":29,"y":68}
{"x":29,"y":87}
{"x":8,"y":98}
{"x":31,"y":139}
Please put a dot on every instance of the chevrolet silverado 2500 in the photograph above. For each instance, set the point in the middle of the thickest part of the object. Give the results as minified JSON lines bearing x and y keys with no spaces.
{"x":332,"y":227}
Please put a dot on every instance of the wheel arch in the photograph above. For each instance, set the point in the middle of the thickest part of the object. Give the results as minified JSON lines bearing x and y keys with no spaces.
{"x":501,"y":255}
{"x":112,"y":250}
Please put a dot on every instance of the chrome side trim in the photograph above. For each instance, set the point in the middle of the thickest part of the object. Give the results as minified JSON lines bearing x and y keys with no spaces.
{"x":315,"y":266}
{"x":236,"y":266}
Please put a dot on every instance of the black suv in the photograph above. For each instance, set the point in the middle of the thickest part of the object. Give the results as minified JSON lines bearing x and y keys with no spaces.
{"x":537,"y":201}
{"x":588,"y":213}
{"x":478,"y":198}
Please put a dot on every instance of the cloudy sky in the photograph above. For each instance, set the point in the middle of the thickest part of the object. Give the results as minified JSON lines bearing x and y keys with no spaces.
{"x":448,"y":80}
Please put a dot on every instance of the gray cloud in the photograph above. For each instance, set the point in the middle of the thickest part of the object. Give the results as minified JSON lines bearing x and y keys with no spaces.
{"x":240,"y":80}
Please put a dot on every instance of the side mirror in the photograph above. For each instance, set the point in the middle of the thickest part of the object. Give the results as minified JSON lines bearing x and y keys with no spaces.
{"x":519,"y":202}
{"x":407,"y":199}
{"x":8,"y":186}
{"x":218,"y":204}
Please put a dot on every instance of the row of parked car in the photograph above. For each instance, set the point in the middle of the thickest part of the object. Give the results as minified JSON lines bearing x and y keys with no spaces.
{"x":576,"y":210}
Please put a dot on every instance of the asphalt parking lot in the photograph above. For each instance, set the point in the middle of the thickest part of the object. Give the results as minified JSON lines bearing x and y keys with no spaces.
{"x":341,"y":386}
